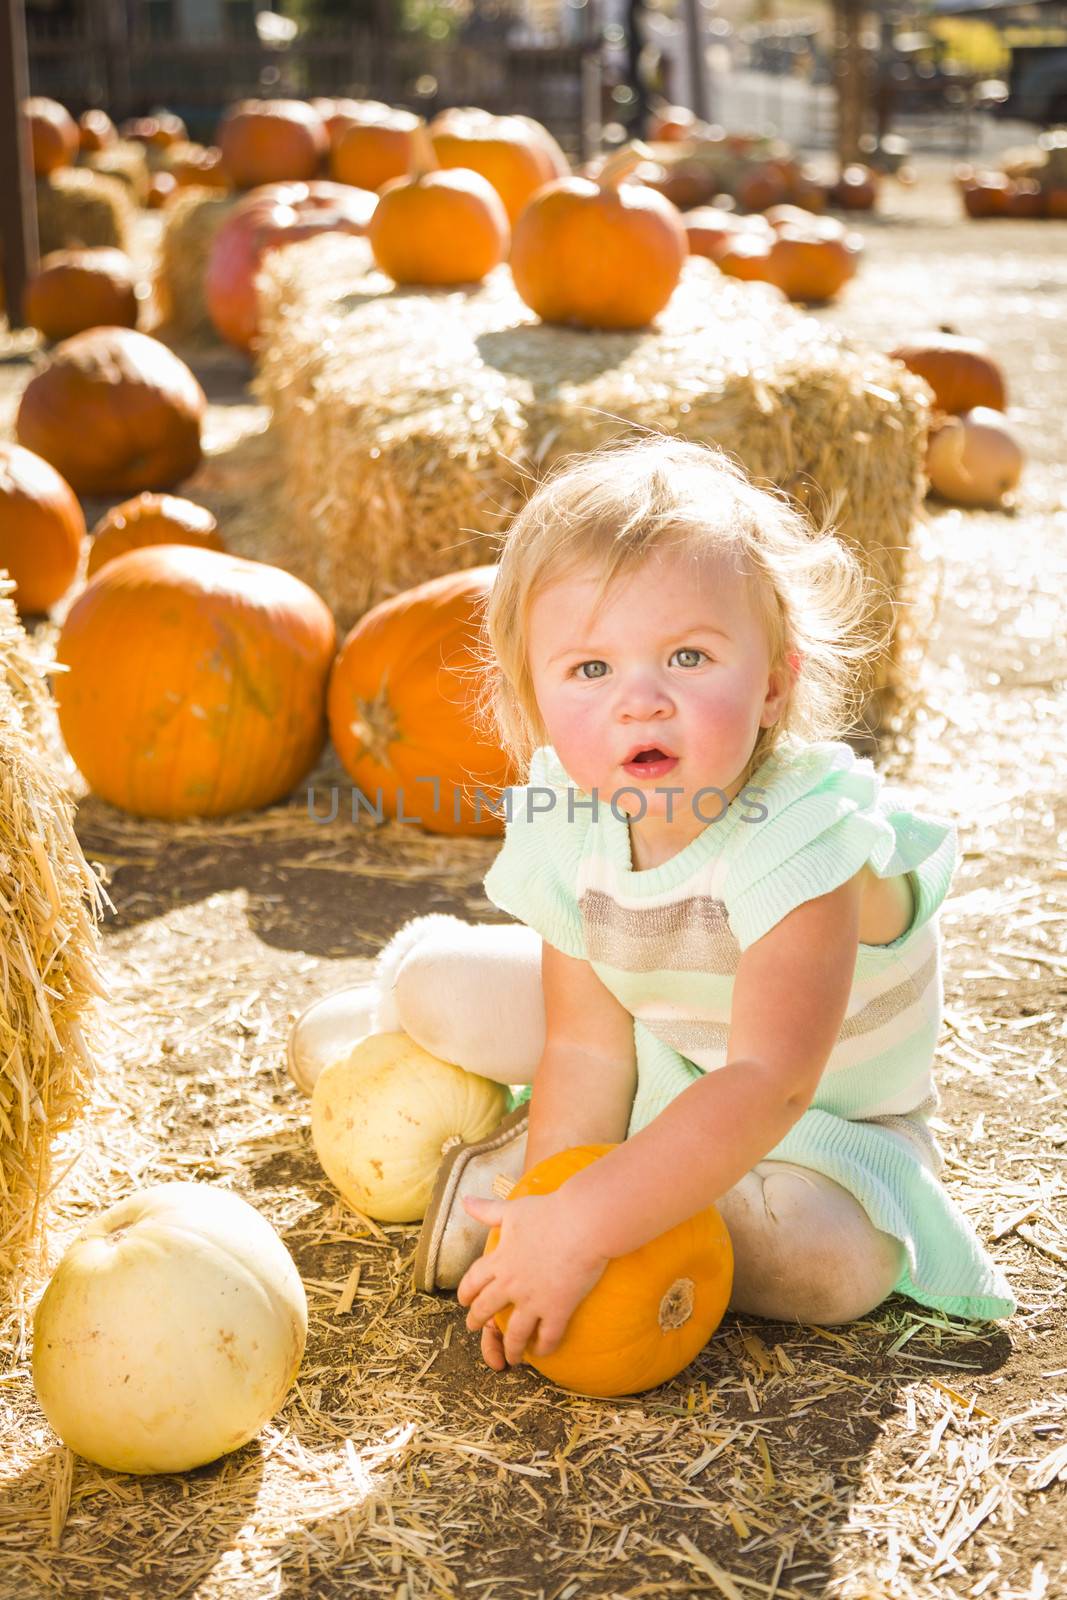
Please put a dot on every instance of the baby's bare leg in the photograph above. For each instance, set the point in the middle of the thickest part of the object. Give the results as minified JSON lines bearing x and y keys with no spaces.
{"x":804,"y":1248}
{"x":469,"y":993}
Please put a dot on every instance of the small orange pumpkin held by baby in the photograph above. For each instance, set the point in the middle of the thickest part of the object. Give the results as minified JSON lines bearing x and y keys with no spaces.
{"x":651,"y":1311}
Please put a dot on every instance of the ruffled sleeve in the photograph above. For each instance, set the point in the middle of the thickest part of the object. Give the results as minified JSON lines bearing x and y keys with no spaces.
{"x":534,"y":877}
{"x":827,"y":816}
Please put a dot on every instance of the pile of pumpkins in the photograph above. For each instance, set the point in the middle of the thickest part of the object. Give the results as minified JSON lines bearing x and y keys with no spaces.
{"x":809,"y":258}
{"x":696,"y":163}
{"x":199,"y":683}
{"x":444,"y":204}
{"x":1031,"y":181}
{"x":173,"y":161}
{"x":973,"y":457}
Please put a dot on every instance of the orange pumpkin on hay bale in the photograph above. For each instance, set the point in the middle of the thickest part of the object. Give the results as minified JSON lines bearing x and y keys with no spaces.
{"x":599,"y":254}
{"x":271,"y":141}
{"x":271,"y":218}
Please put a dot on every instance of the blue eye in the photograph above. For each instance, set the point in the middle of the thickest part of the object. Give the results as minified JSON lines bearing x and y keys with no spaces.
{"x":690,"y":650}
{"x":685,"y":649}
{"x":577,"y":671}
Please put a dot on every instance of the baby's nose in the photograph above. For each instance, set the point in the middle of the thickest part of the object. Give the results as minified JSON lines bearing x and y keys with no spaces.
{"x":643,"y":696}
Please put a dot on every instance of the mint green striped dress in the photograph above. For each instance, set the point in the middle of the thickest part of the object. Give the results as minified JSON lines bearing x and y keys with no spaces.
{"x":667,"y":940}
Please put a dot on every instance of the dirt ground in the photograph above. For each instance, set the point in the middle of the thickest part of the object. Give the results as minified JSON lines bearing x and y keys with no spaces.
{"x":906,"y":1455}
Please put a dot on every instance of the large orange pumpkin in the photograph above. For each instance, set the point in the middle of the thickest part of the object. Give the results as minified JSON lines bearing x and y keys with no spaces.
{"x":749,"y":256}
{"x":54,"y":138}
{"x":603,"y":254}
{"x":401,"y":708}
{"x":77,"y":289}
{"x":650,"y":1313}
{"x":196,"y":681}
{"x":438,"y":227}
{"x":811,"y":264}
{"x":151,"y":519}
{"x":338,"y":112}
{"x":114,"y":411}
{"x":41,"y":528}
{"x":369,"y":154}
{"x":269,"y":218}
{"x":515,"y":154}
{"x":961,"y":372}
{"x":271,"y":141}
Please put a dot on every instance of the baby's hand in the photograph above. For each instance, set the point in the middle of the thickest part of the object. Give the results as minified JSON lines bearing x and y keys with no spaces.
{"x":542,"y":1268}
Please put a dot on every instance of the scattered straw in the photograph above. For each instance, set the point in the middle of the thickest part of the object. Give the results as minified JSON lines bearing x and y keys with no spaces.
{"x":76,"y":206}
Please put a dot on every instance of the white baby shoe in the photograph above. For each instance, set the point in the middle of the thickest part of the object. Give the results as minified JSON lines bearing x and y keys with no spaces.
{"x":328,"y":1029}
{"x":334,"y":1023}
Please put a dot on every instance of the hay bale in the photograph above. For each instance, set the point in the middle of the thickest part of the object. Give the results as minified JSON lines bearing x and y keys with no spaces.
{"x":50,"y":900}
{"x":77,"y":206}
{"x":406,"y":421}
{"x":124,"y":160}
{"x":192,"y":220}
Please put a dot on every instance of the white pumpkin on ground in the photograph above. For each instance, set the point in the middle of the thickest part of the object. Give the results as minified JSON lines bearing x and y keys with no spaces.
{"x":171,"y":1331}
{"x":974,"y":459}
{"x":384,"y":1115}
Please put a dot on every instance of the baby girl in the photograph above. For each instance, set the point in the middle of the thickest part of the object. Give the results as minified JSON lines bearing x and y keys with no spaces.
{"x":727,"y":959}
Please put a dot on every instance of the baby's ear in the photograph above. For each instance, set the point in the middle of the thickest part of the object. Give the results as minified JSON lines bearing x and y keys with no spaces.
{"x":779,"y":688}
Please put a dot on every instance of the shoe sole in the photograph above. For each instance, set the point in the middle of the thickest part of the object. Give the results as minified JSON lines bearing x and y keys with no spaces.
{"x":443,"y":1194}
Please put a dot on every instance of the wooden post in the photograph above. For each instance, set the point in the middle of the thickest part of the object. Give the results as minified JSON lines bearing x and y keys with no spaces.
{"x":115,"y":30}
{"x":592,"y":87}
{"x":18,"y":195}
{"x":849,"y":78}
{"x":698,"y":76}
{"x":637,"y":126}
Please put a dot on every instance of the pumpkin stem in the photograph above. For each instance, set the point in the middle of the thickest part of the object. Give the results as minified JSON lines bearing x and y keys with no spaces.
{"x":676,"y":1307}
{"x":450,"y":1143}
{"x":620,"y":165}
{"x":374,"y":724}
{"x":423,"y":155}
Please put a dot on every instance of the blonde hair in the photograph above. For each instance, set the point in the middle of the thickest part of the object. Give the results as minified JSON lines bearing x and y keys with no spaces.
{"x":610,"y":509}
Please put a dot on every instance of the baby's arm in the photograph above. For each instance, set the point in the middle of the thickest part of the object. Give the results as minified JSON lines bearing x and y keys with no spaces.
{"x":585,"y":1081}
{"x":791,"y":993}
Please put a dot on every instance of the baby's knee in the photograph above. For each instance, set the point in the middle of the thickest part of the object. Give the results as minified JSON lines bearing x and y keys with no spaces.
{"x":471,"y":994}
{"x":805,"y":1250}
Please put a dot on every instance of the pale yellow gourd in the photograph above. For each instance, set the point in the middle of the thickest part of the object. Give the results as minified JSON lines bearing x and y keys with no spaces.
{"x":171,"y":1331}
{"x":383,"y":1116}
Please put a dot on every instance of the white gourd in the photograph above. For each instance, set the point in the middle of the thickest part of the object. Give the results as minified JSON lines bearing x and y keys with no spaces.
{"x":170,"y":1332}
{"x":384,"y":1115}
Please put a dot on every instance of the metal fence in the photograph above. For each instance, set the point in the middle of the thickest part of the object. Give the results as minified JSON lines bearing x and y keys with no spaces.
{"x":84,"y":62}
